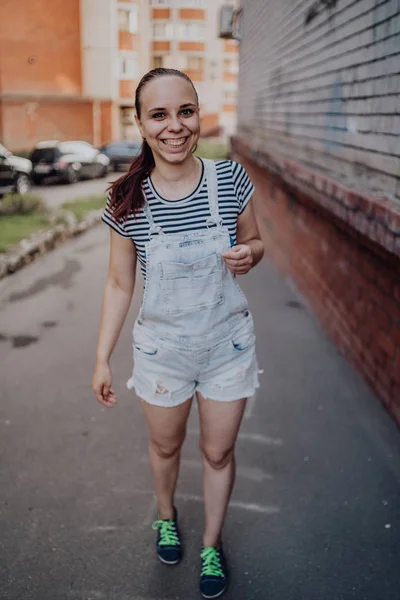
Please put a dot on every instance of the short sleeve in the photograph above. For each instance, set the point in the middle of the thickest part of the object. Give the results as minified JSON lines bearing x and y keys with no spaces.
{"x":243,"y":186}
{"x":109,"y":218}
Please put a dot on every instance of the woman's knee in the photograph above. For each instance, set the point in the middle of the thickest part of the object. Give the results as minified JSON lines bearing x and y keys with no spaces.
{"x":217,"y":458}
{"x":166,"y":449}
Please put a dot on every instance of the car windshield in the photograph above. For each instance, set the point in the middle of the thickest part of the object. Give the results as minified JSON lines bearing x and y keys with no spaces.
{"x":45,"y":154}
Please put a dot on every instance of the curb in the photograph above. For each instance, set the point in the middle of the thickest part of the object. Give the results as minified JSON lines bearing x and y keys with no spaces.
{"x":44,"y":241}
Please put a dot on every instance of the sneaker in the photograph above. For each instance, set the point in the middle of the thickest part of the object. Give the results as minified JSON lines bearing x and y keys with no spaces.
{"x":169,"y":547}
{"x":213,"y":577}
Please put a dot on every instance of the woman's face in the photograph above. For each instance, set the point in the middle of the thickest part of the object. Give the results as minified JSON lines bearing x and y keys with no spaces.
{"x":169,"y":118}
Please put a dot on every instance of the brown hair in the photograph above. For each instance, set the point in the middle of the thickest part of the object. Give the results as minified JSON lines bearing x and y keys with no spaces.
{"x":126,"y":192}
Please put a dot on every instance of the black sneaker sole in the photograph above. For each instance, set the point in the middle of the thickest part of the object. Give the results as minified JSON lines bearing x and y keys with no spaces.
{"x":169,"y":563}
{"x":216,"y":595}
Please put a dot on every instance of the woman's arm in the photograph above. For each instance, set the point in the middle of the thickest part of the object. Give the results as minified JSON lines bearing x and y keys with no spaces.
{"x":249,"y":249}
{"x":117,"y":297}
{"x":117,"y":293}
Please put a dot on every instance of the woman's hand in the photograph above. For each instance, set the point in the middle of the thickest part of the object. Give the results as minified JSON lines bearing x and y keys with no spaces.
{"x":239,"y":259}
{"x":101,"y":385}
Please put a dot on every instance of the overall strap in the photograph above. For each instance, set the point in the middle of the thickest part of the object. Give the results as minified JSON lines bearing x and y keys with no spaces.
{"x":212,"y":186}
{"x":154,"y":229}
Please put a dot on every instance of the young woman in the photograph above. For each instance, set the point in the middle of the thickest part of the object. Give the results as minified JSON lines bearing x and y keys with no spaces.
{"x":190,"y":223}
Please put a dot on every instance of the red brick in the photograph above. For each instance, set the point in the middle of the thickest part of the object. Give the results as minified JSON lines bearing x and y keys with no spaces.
{"x":395,"y":336}
{"x":386,"y":282}
{"x":396,"y":291}
{"x":387,"y":344}
{"x":382,"y":319}
{"x":368,"y":268}
{"x":393,"y":221}
{"x":380,"y":234}
{"x":379,"y":212}
{"x":366,"y":205}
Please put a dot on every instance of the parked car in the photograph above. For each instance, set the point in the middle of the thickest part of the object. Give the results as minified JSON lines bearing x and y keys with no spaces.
{"x":15,"y":173}
{"x":68,"y":161}
{"x":121,"y":153}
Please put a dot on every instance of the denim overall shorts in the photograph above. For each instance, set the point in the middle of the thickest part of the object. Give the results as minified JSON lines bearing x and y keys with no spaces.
{"x":194,"y":331}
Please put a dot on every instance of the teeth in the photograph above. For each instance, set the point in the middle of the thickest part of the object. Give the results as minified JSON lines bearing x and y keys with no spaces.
{"x":175,"y":143}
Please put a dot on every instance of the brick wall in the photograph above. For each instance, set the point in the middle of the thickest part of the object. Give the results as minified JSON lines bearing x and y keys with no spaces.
{"x":24,"y":124}
{"x":40,"y":48}
{"x":319,"y":130}
{"x":326,"y":93}
{"x":343,"y":251}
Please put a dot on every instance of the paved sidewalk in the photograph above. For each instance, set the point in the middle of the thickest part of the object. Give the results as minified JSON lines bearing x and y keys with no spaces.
{"x":315,"y":513}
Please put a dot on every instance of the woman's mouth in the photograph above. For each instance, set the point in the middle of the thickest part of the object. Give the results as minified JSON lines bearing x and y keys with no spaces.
{"x":175,"y":142}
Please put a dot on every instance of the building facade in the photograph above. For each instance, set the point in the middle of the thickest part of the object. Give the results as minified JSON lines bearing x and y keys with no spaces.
{"x":319,"y":130}
{"x":70,"y":70}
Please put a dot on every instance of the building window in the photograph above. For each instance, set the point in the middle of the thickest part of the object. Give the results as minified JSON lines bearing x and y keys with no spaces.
{"x":157,"y":62}
{"x":127,"y":20}
{"x":195,"y":63}
{"x":231,"y":66}
{"x":230,"y":96}
{"x":190,"y":31}
{"x":163,"y":31}
{"x":128,"y":67}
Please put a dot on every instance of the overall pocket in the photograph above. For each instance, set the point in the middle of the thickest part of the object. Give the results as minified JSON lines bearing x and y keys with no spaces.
{"x":188,"y":287}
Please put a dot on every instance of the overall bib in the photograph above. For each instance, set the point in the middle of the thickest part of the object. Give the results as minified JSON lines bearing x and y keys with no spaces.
{"x":194,"y":331}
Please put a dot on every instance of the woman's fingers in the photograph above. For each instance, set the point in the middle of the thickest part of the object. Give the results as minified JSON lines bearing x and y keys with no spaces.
{"x":237,"y":253}
{"x":238,"y":259}
{"x":105,"y":395}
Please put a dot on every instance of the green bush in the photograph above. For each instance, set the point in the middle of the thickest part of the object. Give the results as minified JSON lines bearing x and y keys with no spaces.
{"x":215,"y":149}
{"x":17,"y":204}
{"x":80,"y":206}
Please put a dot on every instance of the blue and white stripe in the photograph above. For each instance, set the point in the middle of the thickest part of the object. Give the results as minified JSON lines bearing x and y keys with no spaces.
{"x":188,"y":214}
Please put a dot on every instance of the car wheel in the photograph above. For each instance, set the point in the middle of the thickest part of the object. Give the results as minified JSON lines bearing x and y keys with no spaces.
{"x":71,"y":176}
{"x":23,"y":184}
{"x":37,"y":180}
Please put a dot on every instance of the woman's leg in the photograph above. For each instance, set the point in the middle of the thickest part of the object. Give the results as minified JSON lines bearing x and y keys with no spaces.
{"x":167,"y":428}
{"x":219,"y":426}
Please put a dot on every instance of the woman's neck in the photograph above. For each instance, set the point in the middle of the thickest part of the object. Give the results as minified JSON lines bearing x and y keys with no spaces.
{"x":173,"y":173}
{"x":176,"y":181}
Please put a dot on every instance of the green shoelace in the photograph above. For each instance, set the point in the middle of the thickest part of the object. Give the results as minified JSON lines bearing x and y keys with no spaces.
{"x":211,"y":563}
{"x":168,"y":535}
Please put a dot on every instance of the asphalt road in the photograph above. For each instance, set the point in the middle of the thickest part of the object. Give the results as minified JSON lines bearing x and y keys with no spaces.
{"x":315,"y":513}
{"x":55,"y":193}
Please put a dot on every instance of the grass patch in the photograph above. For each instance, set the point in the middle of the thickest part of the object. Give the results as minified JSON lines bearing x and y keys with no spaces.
{"x":80,"y":206}
{"x":14,"y":228}
{"x":11,"y":204}
{"x":215,"y":150}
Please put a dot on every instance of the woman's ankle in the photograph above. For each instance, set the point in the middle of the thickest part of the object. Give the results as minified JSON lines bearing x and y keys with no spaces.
{"x":166,"y":512}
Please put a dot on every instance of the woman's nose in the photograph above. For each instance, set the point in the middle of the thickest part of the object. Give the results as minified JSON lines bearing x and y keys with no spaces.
{"x":174,"y":124}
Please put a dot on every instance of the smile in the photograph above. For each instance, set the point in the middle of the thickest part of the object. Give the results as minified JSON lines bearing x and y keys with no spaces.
{"x":175,"y":143}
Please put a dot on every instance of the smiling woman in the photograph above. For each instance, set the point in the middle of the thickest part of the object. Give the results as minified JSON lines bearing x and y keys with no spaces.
{"x":193,"y":230}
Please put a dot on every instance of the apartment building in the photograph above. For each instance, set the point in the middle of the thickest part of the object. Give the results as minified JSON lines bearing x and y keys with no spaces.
{"x":69,"y":70}
{"x":184,"y":35}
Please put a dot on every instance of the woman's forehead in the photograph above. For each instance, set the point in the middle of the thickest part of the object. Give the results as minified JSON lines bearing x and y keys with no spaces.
{"x":166,"y":91}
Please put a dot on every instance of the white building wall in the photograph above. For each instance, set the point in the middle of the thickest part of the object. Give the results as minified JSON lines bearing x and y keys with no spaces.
{"x":99,"y":39}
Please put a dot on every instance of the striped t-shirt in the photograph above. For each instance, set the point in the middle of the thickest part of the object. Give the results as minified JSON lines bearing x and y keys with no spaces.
{"x":189,"y":213}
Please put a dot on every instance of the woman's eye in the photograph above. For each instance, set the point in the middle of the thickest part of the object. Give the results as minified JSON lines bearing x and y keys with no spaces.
{"x":158,"y":115}
{"x":187,"y":111}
